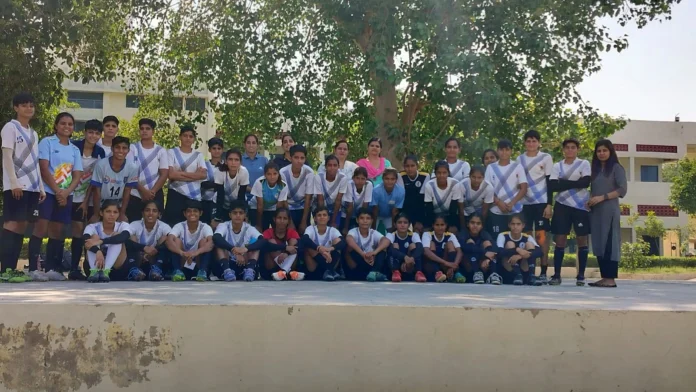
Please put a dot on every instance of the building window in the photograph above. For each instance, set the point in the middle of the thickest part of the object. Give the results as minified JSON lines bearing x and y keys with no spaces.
{"x":79,"y":125}
{"x":177,"y":103}
{"x":648,"y":173}
{"x":87,"y":100}
{"x":195,"y":104}
{"x":133,"y":101}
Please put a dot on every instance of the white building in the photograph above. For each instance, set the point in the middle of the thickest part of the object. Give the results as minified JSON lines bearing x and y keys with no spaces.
{"x":642,"y":147}
{"x":100,"y":99}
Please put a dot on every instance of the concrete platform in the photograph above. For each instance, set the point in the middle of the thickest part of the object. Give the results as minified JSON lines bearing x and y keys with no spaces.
{"x":347,"y":336}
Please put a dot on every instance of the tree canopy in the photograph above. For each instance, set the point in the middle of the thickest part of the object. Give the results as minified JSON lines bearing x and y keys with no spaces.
{"x":682,"y":175}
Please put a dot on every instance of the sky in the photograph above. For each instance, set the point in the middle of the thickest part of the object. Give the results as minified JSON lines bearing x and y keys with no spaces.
{"x":655,"y":77}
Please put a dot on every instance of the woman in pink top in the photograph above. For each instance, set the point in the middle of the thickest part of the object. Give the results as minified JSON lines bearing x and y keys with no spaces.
{"x":374,"y":163}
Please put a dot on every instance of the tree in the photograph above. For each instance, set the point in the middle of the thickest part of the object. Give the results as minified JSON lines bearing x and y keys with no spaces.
{"x":653,"y":229}
{"x":410,"y":72}
{"x":682,"y":175}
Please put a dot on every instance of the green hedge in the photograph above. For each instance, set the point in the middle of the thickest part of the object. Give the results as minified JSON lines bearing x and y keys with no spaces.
{"x":655,"y":261}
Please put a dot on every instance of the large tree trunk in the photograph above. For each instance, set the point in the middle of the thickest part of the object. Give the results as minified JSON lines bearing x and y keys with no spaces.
{"x":387,"y":114}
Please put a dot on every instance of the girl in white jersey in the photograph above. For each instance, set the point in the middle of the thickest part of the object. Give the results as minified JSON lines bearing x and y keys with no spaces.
{"x":367,"y":250}
{"x":358,"y":195}
{"x":147,"y":247}
{"x":190,"y":243}
{"x":323,"y":247}
{"x":344,"y":165}
{"x":443,"y":196}
{"x":104,"y":242}
{"x":459,"y":170}
{"x":330,"y":186}
{"x":478,"y":194}
{"x":186,"y":173}
{"x":232,"y":180}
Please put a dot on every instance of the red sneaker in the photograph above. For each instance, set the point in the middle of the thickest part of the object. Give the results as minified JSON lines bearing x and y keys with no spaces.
{"x":420,"y":277}
{"x":396,"y":276}
{"x":440,"y":277}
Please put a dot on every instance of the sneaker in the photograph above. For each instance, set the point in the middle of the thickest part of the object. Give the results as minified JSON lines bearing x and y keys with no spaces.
{"x":519,"y":280}
{"x":555,"y":281}
{"x":543,"y":279}
{"x":459,"y":278}
{"x":178,"y":276}
{"x":298,"y":276}
{"x":202,"y":276}
{"x":382,"y":277}
{"x":440,"y":277}
{"x":229,"y":275}
{"x":104,"y":276}
{"x":278,"y":276}
{"x":533,"y":281}
{"x":339,"y":274}
{"x":420,"y":277}
{"x":38,"y":276}
{"x":93,"y":276}
{"x":55,"y":276}
{"x":478,"y":277}
{"x":76,"y":275}
{"x":396,"y":276}
{"x":495,"y":279}
{"x":580,"y":281}
{"x":155,"y":274}
{"x":249,"y":275}
{"x":13,"y":276}
{"x":329,"y":276}
{"x":213,"y":278}
{"x":136,"y":274}
{"x":372,"y":277}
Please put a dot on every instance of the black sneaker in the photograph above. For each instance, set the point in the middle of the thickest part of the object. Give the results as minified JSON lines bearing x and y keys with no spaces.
{"x":555,"y":281}
{"x":580,"y":281}
{"x":519,"y":280}
{"x":543,"y":279}
{"x":76,"y":275}
{"x":533,"y":281}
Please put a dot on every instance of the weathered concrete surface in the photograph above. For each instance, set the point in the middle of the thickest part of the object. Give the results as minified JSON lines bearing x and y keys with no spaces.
{"x":346,"y":337}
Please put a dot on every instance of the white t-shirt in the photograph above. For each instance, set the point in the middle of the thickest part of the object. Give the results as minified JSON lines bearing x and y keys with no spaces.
{"x":98,"y":229}
{"x":277,"y":193}
{"x":298,"y":187}
{"x":247,"y":235}
{"x":191,"y":240}
{"x":232,"y":185}
{"x":189,"y":163}
{"x":88,"y":165}
{"x":443,"y":198}
{"x":459,"y":170}
{"x":357,"y":198}
{"x":506,"y":181}
{"x":25,"y":143}
{"x":474,"y":200}
{"x":415,"y":238}
{"x":149,"y":238}
{"x":325,"y":239}
{"x":521,"y":241}
{"x":575,"y":198}
{"x":107,"y":150}
{"x":330,"y":189}
{"x":429,"y":237}
{"x":536,"y":169}
{"x":149,"y":161}
{"x":348,"y":169}
{"x":369,"y":243}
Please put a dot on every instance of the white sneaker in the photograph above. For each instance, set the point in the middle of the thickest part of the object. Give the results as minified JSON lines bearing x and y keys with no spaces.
{"x":55,"y":276}
{"x":38,"y":276}
{"x":296,"y":276}
{"x":278,"y":276}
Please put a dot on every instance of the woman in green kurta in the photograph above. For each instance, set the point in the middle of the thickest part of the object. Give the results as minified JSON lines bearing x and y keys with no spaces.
{"x":608,"y":185}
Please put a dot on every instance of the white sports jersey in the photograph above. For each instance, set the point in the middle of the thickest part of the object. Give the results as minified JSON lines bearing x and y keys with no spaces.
{"x":189,"y":163}
{"x":149,"y":238}
{"x":271,"y":195}
{"x":24,"y":142}
{"x":98,"y":229}
{"x":191,"y":240}
{"x":88,"y":164}
{"x":415,"y":238}
{"x":474,"y":199}
{"x":576,"y":198}
{"x":132,"y":152}
{"x":429,"y":237}
{"x":298,"y":187}
{"x":213,"y":173}
{"x":536,"y":169}
{"x":506,"y":181}
{"x":232,"y":185}
{"x":357,"y":198}
{"x":459,"y":170}
{"x":149,"y":161}
{"x":247,"y":235}
{"x":330,"y":189}
{"x":113,"y":183}
{"x":348,"y":169}
{"x":369,"y":243}
{"x":442,"y":199}
{"x":325,"y":239}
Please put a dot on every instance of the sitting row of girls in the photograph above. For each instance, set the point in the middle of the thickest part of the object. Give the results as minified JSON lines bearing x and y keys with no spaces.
{"x":235,"y":250}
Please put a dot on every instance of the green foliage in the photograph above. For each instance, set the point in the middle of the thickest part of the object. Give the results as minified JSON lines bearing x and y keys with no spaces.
{"x":410,"y":72}
{"x":682,"y":174}
{"x":634,"y":255}
{"x":167,"y":131}
{"x":652,"y":225}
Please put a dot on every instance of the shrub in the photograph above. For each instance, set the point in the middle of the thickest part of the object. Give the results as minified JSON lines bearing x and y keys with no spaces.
{"x":634,"y":255}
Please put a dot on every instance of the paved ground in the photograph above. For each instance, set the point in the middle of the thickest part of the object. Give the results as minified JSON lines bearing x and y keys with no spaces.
{"x":630,"y":295}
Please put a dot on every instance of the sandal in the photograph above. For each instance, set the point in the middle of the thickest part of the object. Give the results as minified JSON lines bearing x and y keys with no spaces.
{"x":602,"y":284}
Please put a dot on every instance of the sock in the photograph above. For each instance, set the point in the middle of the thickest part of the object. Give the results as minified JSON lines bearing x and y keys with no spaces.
{"x":475,"y":265}
{"x":516,"y":269}
{"x":558,"y":255}
{"x":493,"y":266}
{"x":7,"y":251}
{"x":251,"y":263}
{"x":34,"y":250}
{"x":204,"y":259}
{"x":583,"y":251}
{"x":335,"y":258}
{"x":379,"y":262}
{"x":532,"y":267}
{"x":224,"y":263}
{"x":176,"y":262}
{"x":544,"y":268}
{"x":53,"y":254}
{"x":76,"y":250}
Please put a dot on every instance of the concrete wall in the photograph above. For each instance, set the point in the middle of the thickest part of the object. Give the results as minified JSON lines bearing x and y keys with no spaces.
{"x":56,"y":347}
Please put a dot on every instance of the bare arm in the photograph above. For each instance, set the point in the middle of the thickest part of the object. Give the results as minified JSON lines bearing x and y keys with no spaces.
{"x":47,"y":177}
{"x":354,"y":246}
{"x":204,"y":247}
{"x":163,"y":175}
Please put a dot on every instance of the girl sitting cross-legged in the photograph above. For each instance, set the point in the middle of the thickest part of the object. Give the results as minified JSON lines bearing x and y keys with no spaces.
{"x":323,"y":246}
